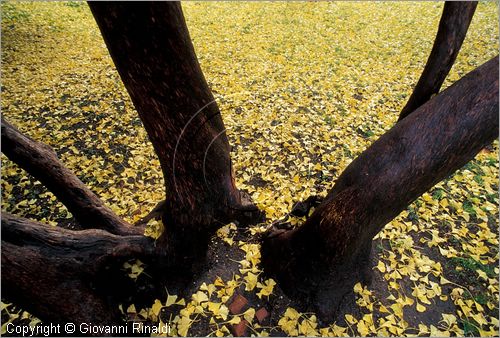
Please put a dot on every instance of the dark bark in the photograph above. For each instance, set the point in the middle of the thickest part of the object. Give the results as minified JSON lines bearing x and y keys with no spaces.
{"x":152,"y":50}
{"x":329,"y":252}
{"x":66,"y":276}
{"x":455,"y":21}
{"x":62,"y":275}
{"x":41,"y":162}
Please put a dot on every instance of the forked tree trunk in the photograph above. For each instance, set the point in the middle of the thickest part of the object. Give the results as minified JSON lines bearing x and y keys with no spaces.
{"x":328,"y":254}
{"x":152,"y":50}
{"x":68,"y":276}
{"x":455,"y":21}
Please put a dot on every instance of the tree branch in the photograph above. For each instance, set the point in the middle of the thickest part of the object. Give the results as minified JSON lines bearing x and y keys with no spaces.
{"x":62,"y":275}
{"x":453,"y":26}
{"x":330,"y":250}
{"x":172,"y":97}
{"x":41,"y":162}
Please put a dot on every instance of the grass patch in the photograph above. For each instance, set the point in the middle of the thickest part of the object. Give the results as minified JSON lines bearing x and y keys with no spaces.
{"x":437,"y":194}
{"x":470,"y":329}
{"x":11,"y":12}
{"x":469,"y":265}
{"x":468,"y":207}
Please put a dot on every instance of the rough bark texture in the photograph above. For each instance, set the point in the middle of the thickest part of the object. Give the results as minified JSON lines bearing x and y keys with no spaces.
{"x":330,"y":251}
{"x":41,"y":162}
{"x":65,"y":276}
{"x":152,"y":50}
{"x":453,"y":26}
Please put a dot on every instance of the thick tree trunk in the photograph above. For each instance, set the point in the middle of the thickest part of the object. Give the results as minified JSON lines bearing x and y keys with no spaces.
{"x":329,"y":252}
{"x":41,"y":162}
{"x":453,"y":26}
{"x":152,"y":50}
{"x":66,"y":276}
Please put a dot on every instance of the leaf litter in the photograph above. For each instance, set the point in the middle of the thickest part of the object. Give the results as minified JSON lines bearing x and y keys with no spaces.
{"x":303,"y":88}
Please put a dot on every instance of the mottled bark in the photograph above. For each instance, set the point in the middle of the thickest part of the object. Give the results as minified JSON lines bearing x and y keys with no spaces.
{"x":41,"y":161}
{"x":152,"y":50}
{"x":64,"y":276}
{"x":329,"y":253}
{"x":455,"y":21}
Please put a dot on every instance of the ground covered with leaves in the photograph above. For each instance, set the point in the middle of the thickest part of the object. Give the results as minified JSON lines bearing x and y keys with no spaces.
{"x":303,"y":88}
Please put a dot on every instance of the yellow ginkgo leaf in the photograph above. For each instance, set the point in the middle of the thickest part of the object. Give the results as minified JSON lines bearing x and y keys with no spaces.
{"x":381,"y":266}
{"x":156,"y":308}
{"x":482,"y":274}
{"x":170,"y":300}
{"x":249,"y":314}
{"x":266,"y":289}
{"x":362,"y":328}
{"x":250,"y":281}
{"x":350,"y":319}
{"x":420,"y":308}
{"x":183,"y":326}
{"x":235,"y":320}
{"x":131,"y":309}
{"x":200,"y":297}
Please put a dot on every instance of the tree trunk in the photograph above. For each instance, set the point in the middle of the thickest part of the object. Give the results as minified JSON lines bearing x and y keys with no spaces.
{"x":41,"y":162}
{"x":152,"y":50}
{"x":453,"y":26}
{"x":66,"y":276}
{"x":329,"y":252}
